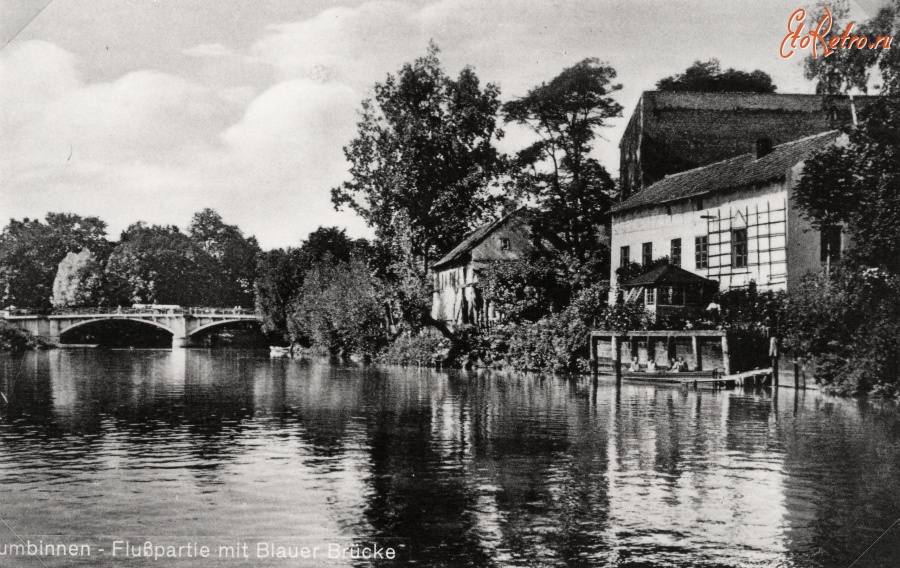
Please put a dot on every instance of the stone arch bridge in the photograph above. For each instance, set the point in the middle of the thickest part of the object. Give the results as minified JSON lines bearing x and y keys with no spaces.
{"x":183,"y":323}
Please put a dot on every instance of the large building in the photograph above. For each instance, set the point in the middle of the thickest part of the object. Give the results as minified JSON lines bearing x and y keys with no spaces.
{"x":732,"y":222}
{"x":671,"y":132}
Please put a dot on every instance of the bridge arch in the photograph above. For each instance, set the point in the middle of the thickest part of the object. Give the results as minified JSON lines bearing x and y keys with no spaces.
{"x":95,"y":320}
{"x":204,"y":327}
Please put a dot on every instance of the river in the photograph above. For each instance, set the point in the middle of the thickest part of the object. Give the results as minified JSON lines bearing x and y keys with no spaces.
{"x":237,"y":452}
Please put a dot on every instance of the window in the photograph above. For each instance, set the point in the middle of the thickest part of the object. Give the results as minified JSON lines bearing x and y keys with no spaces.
{"x":664,"y":296}
{"x":699,"y":205}
{"x":504,"y":243}
{"x":701,"y":251}
{"x":678,"y":296}
{"x":651,"y":296}
{"x":831,"y":243}
{"x":739,"y":248}
{"x":624,"y":256}
{"x":647,"y":254}
{"x":675,"y":257}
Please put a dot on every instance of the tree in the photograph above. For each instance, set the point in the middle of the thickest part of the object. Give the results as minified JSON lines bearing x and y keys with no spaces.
{"x":155,"y":264}
{"x":423,"y":159}
{"x":281,"y":273}
{"x":235,"y":254}
{"x":30,"y":253}
{"x":557,"y":172}
{"x":847,"y":69}
{"x":708,"y":77}
{"x":78,"y":280}
{"x":857,"y":186}
{"x":339,"y":310}
{"x":279,"y":277}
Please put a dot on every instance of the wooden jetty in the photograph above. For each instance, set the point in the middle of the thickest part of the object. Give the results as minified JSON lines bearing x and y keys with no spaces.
{"x":696,"y":376}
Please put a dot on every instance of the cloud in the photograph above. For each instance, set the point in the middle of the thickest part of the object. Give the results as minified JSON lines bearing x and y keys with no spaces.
{"x":209,"y":50}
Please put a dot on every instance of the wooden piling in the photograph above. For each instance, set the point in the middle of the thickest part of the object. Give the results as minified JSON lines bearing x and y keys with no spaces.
{"x":617,"y":357}
{"x":593,"y":353}
{"x":773,"y":353}
{"x":726,"y":358}
{"x":695,"y":347}
{"x":796,"y":376}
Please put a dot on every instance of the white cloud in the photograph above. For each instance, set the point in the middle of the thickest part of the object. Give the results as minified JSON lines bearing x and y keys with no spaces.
{"x":213,"y":50}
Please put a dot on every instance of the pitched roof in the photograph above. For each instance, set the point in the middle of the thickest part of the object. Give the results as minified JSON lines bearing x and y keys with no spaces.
{"x":734,"y":173}
{"x":667,"y":274}
{"x":473,"y":239}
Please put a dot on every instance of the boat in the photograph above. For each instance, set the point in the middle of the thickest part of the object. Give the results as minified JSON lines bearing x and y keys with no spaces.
{"x":276,"y":351}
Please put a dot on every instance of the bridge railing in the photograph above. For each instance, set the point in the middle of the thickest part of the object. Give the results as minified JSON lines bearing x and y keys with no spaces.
{"x":147,"y":310}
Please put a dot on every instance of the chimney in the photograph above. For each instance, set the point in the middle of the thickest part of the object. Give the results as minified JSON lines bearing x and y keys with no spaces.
{"x":763,"y":147}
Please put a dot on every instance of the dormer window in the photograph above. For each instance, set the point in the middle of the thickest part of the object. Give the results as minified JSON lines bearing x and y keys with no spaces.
{"x":504,"y":243}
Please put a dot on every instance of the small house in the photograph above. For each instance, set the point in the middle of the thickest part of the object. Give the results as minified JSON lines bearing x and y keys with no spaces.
{"x":670,"y":288}
{"x":457,"y":298}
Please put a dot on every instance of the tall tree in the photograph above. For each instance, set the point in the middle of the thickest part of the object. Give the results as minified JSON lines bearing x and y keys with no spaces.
{"x":30,"y":253}
{"x":423,"y":159}
{"x":78,"y":280}
{"x":558,"y":172}
{"x":154,"y":264}
{"x":235,"y":254}
{"x":281,"y":274}
{"x":847,"y":69}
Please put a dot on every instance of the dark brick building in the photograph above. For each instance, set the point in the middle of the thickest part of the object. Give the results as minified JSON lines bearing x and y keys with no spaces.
{"x":671,"y":132}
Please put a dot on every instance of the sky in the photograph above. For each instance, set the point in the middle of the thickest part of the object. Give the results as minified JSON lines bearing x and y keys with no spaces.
{"x":155,"y":109}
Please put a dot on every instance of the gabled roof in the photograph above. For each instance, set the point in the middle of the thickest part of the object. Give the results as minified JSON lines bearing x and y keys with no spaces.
{"x":742,"y":171}
{"x":667,"y":274}
{"x":474,"y":239}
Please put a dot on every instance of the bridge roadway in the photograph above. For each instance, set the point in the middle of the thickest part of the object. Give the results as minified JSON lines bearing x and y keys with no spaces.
{"x":183,"y":323}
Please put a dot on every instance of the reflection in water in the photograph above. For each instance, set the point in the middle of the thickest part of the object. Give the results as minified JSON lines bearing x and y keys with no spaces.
{"x":483,"y":469}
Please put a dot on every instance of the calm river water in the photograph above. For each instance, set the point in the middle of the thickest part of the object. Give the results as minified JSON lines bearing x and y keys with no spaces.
{"x":235,"y":450}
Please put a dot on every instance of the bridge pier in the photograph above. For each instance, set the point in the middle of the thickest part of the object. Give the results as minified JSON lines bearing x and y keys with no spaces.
{"x":180,"y":342}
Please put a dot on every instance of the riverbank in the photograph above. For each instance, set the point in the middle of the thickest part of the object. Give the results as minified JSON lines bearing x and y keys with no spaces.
{"x":15,"y":340}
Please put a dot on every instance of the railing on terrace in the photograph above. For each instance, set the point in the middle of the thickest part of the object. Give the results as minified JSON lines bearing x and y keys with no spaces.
{"x":145,"y":310}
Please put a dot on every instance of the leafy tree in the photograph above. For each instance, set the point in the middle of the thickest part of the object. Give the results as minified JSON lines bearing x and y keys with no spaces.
{"x":279,"y":276}
{"x":281,"y":273}
{"x":30,"y":253}
{"x":235,"y":254}
{"x":557,"y":172}
{"x":846,"y":325}
{"x":708,"y":77}
{"x":154,"y":264}
{"x":78,"y":280}
{"x":339,"y":310}
{"x":847,"y":69}
{"x":522,"y":289}
{"x":858,"y":186}
{"x":423,"y":159}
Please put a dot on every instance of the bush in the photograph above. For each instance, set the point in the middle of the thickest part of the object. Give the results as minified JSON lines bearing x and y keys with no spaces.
{"x":339,"y":310}
{"x":16,"y":340}
{"x":421,"y":349}
{"x":847,"y":327}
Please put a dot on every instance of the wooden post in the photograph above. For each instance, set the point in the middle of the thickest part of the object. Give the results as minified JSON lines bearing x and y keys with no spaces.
{"x":670,"y":348}
{"x":695,"y":347}
{"x":617,"y":357}
{"x":726,"y":359}
{"x":593,"y":351}
{"x":773,"y":353}
{"x":633,"y":343}
{"x":796,"y":375}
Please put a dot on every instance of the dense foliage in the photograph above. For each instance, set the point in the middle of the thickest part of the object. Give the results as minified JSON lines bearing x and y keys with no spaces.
{"x":423,"y":159}
{"x":557,"y":172}
{"x":708,"y":77}
{"x":338,"y":310}
{"x":79,"y":281}
{"x":31,"y":250}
